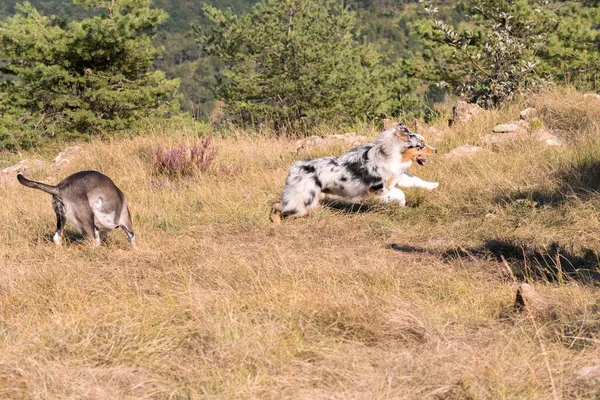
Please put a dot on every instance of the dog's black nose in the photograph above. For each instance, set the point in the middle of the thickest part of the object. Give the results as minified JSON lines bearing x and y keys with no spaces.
{"x":435,"y":151}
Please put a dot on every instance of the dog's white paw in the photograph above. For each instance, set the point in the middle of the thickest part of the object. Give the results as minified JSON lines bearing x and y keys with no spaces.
{"x":432,"y":185}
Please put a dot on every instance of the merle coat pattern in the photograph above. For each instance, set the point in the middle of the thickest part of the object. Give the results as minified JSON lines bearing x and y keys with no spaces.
{"x":370,"y":169}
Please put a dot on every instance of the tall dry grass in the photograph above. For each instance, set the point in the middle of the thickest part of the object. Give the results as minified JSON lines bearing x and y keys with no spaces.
{"x":380,"y":303}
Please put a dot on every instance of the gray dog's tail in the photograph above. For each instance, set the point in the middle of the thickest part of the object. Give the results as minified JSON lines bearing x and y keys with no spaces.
{"x":53,"y":190}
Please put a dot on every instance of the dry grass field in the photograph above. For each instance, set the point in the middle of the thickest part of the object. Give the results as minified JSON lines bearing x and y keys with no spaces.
{"x":369,"y":302}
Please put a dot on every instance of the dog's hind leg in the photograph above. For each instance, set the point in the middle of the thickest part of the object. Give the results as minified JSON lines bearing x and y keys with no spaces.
{"x":276,"y":213}
{"x":83,"y":220}
{"x":302,"y":204}
{"x":295,"y":214}
{"x":127,"y":226}
{"x":130,"y":235}
{"x":59,"y":210}
{"x":88,"y":230}
{"x":288,"y":211}
{"x":97,"y":237}
{"x":301,"y":194}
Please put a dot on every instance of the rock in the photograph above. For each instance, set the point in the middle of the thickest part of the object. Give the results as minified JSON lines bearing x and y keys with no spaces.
{"x":507,"y":132}
{"x":515,"y":130}
{"x":595,"y":96}
{"x":24,"y":165}
{"x":463,"y":112}
{"x":429,"y":132}
{"x":527,"y":300}
{"x":463,"y":150}
{"x":8,"y":174}
{"x":543,"y":135}
{"x":500,"y":138}
{"x":528,"y":114}
{"x":8,"y":177}
{"x":310,"y":141}
{"x":8,"y":180}
{"x":526,"y":203}
{"x":67,"y":155}
{"x":503,"y":128}
{"x":421,"y":128}
{"x":349,"y":139}
{"x":589,"y":376}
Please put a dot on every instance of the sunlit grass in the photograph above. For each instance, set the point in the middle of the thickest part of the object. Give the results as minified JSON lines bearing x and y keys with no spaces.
{"x":217,"y":302}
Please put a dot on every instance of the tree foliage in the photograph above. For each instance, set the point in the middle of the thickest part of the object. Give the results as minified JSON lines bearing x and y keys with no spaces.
{"x":342,"y":59}
{"x":295,"y":62}
{"x":509,"y":47}
{"x":571,"y":53}
{"x":86,"y":76}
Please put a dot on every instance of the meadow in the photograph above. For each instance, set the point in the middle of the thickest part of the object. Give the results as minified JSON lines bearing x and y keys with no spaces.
{"x":361,"y":302}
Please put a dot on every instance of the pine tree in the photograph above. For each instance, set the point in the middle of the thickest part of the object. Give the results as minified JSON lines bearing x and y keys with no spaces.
{"x":91,"y":76}
{"x":297,"y":62}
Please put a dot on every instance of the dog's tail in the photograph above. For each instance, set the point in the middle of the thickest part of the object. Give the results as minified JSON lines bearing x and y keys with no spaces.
{"x":276,"y":213}
{"x":53,"y":190}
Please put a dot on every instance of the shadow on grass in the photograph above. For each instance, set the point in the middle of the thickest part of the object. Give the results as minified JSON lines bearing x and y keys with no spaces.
{"x":349,"y":207}
{"x":69,"y":236}
{"x":533,"y":198}
{"x":581,"y":180}
{"x":409,"y":249}
{"x":552,"y":263}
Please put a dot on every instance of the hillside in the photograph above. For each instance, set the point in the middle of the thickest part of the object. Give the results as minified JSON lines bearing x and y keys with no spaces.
{"x":364,"y":302}
{"x":380,"y":21}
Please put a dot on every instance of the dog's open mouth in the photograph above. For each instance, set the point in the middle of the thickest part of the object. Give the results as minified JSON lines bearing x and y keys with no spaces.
{"x":421,"y":160}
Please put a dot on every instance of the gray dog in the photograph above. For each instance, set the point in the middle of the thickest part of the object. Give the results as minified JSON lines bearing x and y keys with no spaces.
{"x":91,"y":202}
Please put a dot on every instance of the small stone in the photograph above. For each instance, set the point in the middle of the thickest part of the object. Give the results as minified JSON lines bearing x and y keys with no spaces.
{"x":595,"y":96}
{"x":543,"y":135}
{"x":24,"y":165}
{"x":552,"y":142}
{"x":8,"y":177}
{"x":527,"y":203}
{"x":67,"y":155}
{"x":463,"y":112}
{"x":528,"y":114}
{"x":589,"y":376}
{"x":503,"y":128}
{"x":429,"y":132}
{"x":500,"y":138}
{"x":527,"y":300}
{"x":464,"y":150}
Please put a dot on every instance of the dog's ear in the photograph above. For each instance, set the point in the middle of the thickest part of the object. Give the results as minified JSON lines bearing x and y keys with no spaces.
{"x":402,"y":133}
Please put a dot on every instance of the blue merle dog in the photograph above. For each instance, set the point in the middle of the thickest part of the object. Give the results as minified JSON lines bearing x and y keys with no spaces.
{"x":373,"y":169}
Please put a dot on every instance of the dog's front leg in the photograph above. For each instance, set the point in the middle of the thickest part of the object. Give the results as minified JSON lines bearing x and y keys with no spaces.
{"x":393,"y":195}
{"x":407,"y":180}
